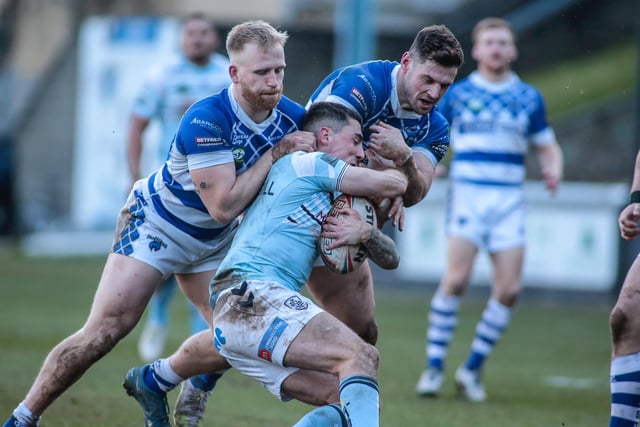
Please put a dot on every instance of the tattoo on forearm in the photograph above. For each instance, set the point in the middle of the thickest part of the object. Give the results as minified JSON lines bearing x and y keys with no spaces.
{"x":382,"y":250}
{"x":203,"y":185}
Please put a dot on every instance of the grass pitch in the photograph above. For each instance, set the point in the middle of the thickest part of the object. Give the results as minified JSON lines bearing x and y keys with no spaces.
{"x":550,"y":370}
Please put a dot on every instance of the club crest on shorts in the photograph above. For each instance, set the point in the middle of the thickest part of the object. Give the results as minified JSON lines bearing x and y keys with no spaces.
{"x":296,"y":303}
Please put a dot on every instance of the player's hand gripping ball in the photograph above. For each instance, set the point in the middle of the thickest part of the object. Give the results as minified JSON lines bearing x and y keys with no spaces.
{"x":345,"y":259}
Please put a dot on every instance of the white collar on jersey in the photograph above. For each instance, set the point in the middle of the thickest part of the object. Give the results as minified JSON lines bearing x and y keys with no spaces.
{"x":477,"y":79}
{"x":398,"y":111}
{"x":244,"y":117}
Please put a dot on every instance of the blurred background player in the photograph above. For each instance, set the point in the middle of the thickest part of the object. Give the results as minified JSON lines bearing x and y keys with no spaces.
{"x":625,"y":324}
{"x":493,"y":117}
{"x":169,"y":89}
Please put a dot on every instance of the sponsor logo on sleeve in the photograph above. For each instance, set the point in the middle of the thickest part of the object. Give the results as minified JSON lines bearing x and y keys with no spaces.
{"x":208,"y":141}
{"x":206,"y":124}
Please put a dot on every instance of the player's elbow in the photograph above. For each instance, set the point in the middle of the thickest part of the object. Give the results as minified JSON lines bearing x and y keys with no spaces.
{"x":390,"y":261}
{"x":223,"y":217}
{"x":413,"y":196}
{"x":396,"y":186}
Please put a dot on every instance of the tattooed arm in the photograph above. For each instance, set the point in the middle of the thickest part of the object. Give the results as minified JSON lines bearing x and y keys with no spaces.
{"x":350,"y":229}
{"x":382,"y":250}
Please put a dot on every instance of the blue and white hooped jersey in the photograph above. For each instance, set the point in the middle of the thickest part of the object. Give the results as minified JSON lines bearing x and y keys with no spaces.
{"x":214,"y":131}
{"x":276,"y":240}
{"x":370,"y":88}
{"x":172,"y":86}
{"x":491,"y":127}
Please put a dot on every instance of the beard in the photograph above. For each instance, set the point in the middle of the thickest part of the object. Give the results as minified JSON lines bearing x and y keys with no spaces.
{"x":263,"y":102}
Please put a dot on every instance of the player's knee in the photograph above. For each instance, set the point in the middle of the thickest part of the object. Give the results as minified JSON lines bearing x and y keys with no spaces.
{"x":367,"y":359}
{"x":108,"y":333}
{"x":618,"y":323}
{"x":370,"y":333}
{"x":509,"y":297}
{"x":454,"y":284}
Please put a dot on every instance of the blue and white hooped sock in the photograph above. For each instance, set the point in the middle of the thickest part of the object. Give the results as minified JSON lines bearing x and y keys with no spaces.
{"x":160,"y":377}
{"x":495,"y":319}
{"x":443,"y":319}
{"x":625,"y":391}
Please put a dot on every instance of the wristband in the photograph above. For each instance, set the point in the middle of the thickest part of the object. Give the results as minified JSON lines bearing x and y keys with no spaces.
{"x":634,"y":197}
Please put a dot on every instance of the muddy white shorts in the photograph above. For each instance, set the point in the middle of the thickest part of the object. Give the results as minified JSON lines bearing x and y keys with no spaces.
{"x":144,"y":235}
{"x":254,"y":325}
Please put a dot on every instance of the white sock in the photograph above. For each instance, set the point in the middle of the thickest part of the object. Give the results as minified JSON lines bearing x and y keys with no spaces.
{"x":165,"y":376}
{"x":25,"y":416}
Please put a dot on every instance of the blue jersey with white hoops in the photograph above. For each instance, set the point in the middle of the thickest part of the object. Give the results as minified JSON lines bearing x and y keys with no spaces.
{"x":370,"y":88}
{"x":491,"y":127}
{"x":214,"y":131}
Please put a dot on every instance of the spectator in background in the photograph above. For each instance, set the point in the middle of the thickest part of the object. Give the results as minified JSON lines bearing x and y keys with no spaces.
{"x":493,"y":117}
{"x":168,"y":90}
{"x":625,"y":324}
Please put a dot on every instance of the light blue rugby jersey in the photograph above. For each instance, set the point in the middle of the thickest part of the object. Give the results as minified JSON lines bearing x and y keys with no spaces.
{"x":491,"y":126}
{"x":214,"y":131}
{"x":277,"y":238}
{"x":370,"y":88}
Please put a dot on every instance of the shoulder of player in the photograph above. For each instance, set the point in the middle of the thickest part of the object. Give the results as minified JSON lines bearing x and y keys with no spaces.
{"x":291,"y":108}
{"x":436,"y":116}
{"x":460,"y":85}
{"x":375,"y":67}
{"x":314,"y":156}
{"x":213,"y":112}
{"x":528,"y":87}
{"x":369,"y":73}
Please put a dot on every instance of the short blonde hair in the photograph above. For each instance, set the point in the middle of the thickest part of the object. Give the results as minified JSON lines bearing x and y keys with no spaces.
{"x":259,"y":32}
{"x":490,"y":23}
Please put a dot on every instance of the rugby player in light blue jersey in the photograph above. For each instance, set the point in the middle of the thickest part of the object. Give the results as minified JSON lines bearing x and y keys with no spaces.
{"x":169,"y":88}
{"x":262,"y":324}
{"x":396,"y":101}
{"x":182,"y":218}
{"x":494,"y":118}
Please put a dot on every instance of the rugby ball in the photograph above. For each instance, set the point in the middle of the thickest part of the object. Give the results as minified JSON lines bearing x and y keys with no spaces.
{"x":345,"y":259}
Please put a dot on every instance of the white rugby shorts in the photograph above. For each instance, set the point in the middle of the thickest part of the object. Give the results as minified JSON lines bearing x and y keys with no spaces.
{"x":142,"y":234}
{"x":254,"y":325}
{"x":491,"y":217}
